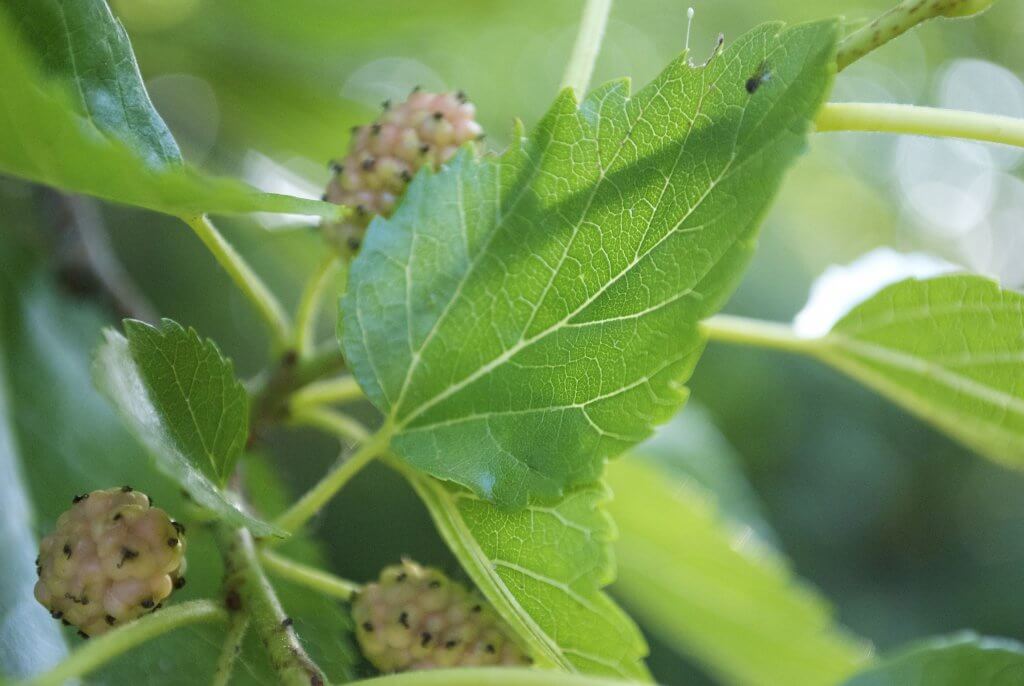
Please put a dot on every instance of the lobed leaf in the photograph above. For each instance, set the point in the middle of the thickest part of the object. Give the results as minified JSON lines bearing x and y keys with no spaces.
{"x":89,"y":127}
{"x":964,"y":658}
{"x":714,"y":591}
{"x":948,"y":349}
{"x":521,"y":319}
{"x":155,"y":398}
{"x":543,"y":568}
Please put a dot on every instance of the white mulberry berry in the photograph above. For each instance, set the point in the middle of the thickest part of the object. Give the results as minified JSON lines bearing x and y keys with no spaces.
{"x":414,"y":617}
{"x":112,"y":558}
{"x":427,"y":129}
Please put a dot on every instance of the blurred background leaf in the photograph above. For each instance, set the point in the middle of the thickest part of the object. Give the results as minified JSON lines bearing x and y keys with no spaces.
{"x":962,"y":659}
{"x":712,"y":589}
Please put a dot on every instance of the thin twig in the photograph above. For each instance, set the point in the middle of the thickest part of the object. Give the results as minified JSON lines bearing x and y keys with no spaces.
{"x":901,"y":18}
{"x":249,"y":591}
{"x":311,"y":577}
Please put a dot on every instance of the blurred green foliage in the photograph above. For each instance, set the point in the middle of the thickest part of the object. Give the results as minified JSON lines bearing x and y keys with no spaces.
{"x":904,"y":531}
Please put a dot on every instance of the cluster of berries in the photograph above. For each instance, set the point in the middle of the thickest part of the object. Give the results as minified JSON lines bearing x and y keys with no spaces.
{"x":112,"y":558}
{"x":424,"y":131}
{"x":414,"y":617}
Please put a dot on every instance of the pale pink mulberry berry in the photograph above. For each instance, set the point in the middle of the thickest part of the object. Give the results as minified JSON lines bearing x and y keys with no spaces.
{"x":112,"y":558}
{"x":414,"y":617}
{"x":425,"y":130}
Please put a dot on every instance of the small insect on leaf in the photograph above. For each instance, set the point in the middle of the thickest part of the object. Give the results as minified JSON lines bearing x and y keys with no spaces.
{"x":758,"y":78}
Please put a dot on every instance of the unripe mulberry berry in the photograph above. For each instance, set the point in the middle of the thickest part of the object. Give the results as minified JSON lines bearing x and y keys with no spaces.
{"x":425,"y":130}
{"x":112,"y":558}
{"x":414,"y":617}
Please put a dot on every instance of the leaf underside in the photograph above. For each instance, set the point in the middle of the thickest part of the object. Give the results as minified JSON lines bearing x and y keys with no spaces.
{"x":543,"y":569}
{"x":949,"y":349}
{"x":521,"y":319}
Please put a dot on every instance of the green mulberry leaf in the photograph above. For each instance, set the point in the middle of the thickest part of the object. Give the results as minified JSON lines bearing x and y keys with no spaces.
{"x":543,"y":568}
{"x":79,"y":118}
{"x":521,"y":319}
{"x":180,"y":398}
{"x":949,"y":350}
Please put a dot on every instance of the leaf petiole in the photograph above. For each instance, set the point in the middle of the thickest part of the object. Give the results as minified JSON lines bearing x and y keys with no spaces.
{"x":727,"y":328}
{"x":310,"y":577}
{"x":100,"y":650}
{"x":341,"y":425}
{"x":245,"y":278}
{"x":922,"y":121}
{"x":588,"y":44}
{"x":318,"y":496}
{"x":329,"y":391}
{"x":309,"y":304}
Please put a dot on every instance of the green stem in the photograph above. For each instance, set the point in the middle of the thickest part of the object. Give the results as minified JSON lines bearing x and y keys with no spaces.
{"x":588,"y":44}
{"x":727,"y":328}
{"x":332,"y":422}
{"x":329,"y":391}
{"x":308,"y":576}
{"x":230,"y":649}
{"x":309,"y":304}
{"x":245,"y":278}
{"x":490,"y":676}
{"x":318,"y":496}
{"x":922,"y":121}
{"x":100,"y":650}
{"x":901,"y":18}
{"x":246,"y":583}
